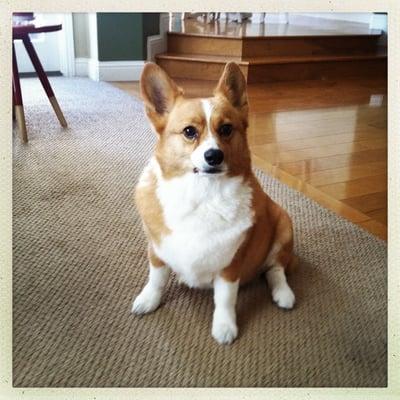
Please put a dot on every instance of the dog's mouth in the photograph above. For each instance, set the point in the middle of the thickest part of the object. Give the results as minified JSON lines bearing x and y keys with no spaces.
{"x":211,"y":170}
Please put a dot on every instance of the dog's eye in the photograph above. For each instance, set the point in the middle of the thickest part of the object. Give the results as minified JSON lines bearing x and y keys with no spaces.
{"x":190,"y":132}
{"x":225,"y":130}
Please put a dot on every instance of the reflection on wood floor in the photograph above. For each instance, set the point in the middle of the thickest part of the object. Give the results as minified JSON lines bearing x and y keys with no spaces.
{"x":327,"y":139}
{"x":299,"y":26}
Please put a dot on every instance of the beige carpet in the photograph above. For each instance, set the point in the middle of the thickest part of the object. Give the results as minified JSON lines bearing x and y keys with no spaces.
{"x":79,"y":259}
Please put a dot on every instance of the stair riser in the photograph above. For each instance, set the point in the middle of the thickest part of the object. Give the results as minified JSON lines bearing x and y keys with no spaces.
{"x":248,"y":47}
{"x":317,"y":70}
{"x":194,"y":70}
{"x":309,"y":46}
{"x":279,"y":72}
{"x":204,"y":45}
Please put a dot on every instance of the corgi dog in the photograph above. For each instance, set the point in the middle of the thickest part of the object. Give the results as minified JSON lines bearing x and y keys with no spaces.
{"x":204,"y":213}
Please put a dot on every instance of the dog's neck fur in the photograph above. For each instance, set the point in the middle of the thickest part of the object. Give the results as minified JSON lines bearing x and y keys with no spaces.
{"x":188,"y":192}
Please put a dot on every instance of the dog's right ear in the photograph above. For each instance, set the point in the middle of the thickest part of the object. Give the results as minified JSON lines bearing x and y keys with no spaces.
{"x":232,"y":85}
{"x":159,"y":93}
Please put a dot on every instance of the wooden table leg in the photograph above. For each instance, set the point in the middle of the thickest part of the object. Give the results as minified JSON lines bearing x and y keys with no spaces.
{"x":13,"y":102}
{"x":43,"y":79}
{"x":17,"y":96}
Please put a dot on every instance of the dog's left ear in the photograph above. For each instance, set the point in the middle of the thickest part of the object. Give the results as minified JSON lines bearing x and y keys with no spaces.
{"x":232,"y":85}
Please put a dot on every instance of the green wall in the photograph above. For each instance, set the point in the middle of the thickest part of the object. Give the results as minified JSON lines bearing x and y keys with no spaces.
{"x":151,"y":26}
{"x":123,"y":36}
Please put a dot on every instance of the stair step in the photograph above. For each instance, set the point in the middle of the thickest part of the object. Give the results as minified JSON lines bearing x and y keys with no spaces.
{"x":274,"y":52}
{"x":253,"y":46}
{"x":275,"y":68}
{"x":192,"y":67}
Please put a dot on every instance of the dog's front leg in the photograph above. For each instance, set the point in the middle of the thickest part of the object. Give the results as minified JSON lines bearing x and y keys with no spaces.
{"x":150,"y":297}
{"x":224,"y":329}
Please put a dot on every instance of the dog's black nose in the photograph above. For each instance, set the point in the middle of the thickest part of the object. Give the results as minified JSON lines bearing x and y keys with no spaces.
{"x":214,"y":157}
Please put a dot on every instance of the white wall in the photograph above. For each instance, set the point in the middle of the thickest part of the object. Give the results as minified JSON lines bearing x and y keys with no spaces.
{"x":81,"y":34}
{"x":374,"y":21}
{"x":350,"y":17}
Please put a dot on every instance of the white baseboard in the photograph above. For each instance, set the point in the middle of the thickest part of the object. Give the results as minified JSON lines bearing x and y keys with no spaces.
{"x":120,"y":70}
{"x":81,"y":66}
{"x":109,"y":70}
{"x":93,"y":69}
{"x":155,"y":45}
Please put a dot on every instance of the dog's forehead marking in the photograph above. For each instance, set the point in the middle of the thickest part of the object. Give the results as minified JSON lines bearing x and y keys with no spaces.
{"x":207,"y":108}
{"x":210,"y":142}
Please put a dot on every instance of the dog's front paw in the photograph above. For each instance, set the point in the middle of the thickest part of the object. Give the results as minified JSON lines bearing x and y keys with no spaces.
{"x":146,"y":302}
{"x":283,"y":297}
{"x":224,"y":332}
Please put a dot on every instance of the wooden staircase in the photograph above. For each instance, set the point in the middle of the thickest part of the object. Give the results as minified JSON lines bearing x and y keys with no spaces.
{"x":276,"y":57}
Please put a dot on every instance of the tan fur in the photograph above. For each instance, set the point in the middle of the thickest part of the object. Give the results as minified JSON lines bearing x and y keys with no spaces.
{"x":150,"y":209}
{"x":154,"y":259}
{"x":271,"y":225}
{"x":170,"y":112}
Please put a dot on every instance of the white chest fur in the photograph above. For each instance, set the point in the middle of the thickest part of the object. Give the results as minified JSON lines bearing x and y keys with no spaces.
{"x":208,"y":217}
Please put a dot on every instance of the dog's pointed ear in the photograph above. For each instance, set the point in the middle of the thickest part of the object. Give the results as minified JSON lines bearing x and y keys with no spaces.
{"x":159,"y":93}
{"x":232,"y":85}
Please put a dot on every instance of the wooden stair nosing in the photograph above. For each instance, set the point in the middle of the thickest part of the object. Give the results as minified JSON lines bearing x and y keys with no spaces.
{"x":288,"y":37}
{"x":205,"y":58}
{"x":313,"y":58}
{"x":199,"y":58}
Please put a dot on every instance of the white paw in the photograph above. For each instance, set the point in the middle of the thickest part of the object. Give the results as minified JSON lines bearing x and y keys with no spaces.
{"x":283,"y":297}
{"x":146,"y":302}
{"x":224,"y":332}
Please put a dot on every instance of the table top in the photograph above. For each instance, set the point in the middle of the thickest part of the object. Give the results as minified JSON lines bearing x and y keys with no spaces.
{"x":22,"y":30}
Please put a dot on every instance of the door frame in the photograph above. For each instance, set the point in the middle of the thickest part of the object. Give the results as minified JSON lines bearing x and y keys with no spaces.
{"x":66,"y":44}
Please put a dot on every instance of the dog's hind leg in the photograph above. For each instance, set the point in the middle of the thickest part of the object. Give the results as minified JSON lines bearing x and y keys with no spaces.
{"x":281,"y":260}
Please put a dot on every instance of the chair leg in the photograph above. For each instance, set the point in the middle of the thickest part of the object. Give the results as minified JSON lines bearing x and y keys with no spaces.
{"x":17,"y":99}
{"x":44,"y":80}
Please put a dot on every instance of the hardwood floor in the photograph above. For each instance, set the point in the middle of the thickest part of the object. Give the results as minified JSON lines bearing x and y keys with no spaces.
{"x":327,"y":139}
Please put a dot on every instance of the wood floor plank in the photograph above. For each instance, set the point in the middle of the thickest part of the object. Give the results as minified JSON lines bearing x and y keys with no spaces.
{"x":327,"y":140}
{"x":320,"y":197}
{"x":264,"y":135}
{"x":379,"y":215}
{"x":368,"y":202}
{"x":344,"y":174}
{"x":319,"y":151}
{"x":341,"y":160}
{"x":357,"y":187}
{"x":363,"y":113}
{"x":277,"y":123}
